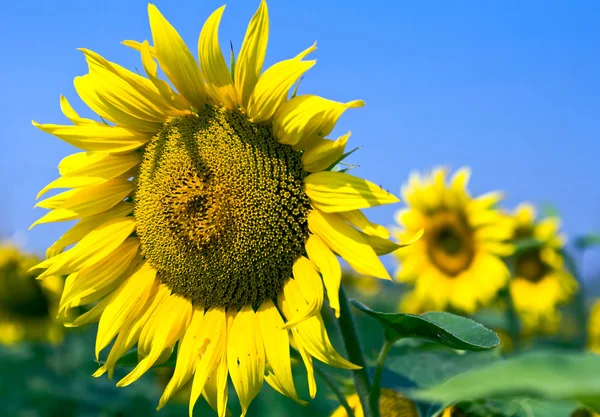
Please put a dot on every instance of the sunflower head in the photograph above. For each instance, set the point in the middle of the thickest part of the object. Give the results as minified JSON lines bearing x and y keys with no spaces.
{"x":541,"y":280}
{"x":457,"y":264}
{"x":391,"y":404}
{"x":209,"y":213}
{"x":27,"y":306}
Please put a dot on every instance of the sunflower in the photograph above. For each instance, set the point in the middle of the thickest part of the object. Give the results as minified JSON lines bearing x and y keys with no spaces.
{"x":594,"y":327}
{"x":391,"y":404}
{"x":541,"y":281}
{"x":457,"y":264}
{"x":27,"y":306}
{"x":208,"y":213}
{"x":360,"y":284}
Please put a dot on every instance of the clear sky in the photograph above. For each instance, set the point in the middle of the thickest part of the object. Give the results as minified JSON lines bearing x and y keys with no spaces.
{"x":510,"y":88}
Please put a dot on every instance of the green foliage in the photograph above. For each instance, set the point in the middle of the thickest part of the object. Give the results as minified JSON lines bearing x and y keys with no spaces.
{"x":444,"y":328}
{"x":554,"y":376}
{"x":587,"y":241}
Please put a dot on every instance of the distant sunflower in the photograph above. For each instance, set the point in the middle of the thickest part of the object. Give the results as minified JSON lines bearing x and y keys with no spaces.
{"x":27,"y":306}
{"x":457,"y":264}
{"x":391,"y":404}
{"x":207,"y":212}
{"x":541,"y":281}
{"x":594,"y":327}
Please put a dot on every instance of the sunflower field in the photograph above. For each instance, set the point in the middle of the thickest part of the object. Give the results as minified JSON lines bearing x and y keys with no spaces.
{"x":215,"y":234}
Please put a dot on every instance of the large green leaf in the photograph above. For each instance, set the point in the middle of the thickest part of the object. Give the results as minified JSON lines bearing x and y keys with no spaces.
{"x":427,"y":364}
{"x":544,"y":375}
{"x":444,"y":328}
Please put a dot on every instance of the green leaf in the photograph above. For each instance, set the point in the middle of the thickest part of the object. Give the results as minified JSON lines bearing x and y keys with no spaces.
{"x":523,"y":245}
{"x":587,"y":241}
{"x":341,"y":158}
{"x":427,"y":364}
{"x":557,"y":376}
{"x":443,"y":328}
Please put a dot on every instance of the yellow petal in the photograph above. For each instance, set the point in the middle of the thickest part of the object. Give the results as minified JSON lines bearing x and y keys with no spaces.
{"x":130,"y":330}
{"x":303,"y":120}
{"x":96,"y":168}
{"x":214,"y":337}
{"x":72,"y":115}
{"x":176,"y":101}
{"x":359,"y":220}
{"x":56,"y":201}
{"x":116,"y":101}
{"x":138,"y":46}
{"x":218,"y":79}
{"x":97,"y":138}
{"x":91,"y":316}
{"x":187,"y":357}
{"x":309,"y":284}
{"x":329,"y":267}
{"x":95,"y":199}
{"x":94,"y":247}
{"x":333,"y":192}
{"x":277,"y":349}
{"x":246,"y":356}
{"x":272,"y":88}
{"x":86,"y":225}
{"x":347,"y":242}
{"x":311,"y":333}
{"x":176,"y":60}
{"x":385,"y":246}
{"x":120,"y":95}
{"x":166,"y":325}
{"x":97,"y":280}
{"x":324,"y":154}
{"x":310,"y":369}
{"x":252,"y":55}
{"x":216,"y":390}
{"x":129,"y":299}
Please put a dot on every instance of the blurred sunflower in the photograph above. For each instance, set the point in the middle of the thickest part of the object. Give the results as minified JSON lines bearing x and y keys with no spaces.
{"x":541,"y":281}
{"x":207,"y":213}
{"x":360,"y":284}
{"x":594,"y":327}
{"x":457,"y":264}
{"x":391,"y":404}
{"x":28,"y":306}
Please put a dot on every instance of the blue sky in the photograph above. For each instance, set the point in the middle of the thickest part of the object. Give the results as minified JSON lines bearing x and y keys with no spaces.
{"x":510,"y":88}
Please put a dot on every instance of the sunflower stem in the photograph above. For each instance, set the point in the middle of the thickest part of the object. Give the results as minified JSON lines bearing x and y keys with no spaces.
{"x":376,"y":388}
{"x":362,"y":383}
{"x":331,"y":385}
{"x":514,"y":325}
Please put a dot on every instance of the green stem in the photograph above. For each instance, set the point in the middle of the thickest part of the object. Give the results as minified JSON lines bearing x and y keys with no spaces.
{"x":341,"y":398}
{"x":376,"y":388}
{"x":362,"y":384}
{"x":514,"y":325}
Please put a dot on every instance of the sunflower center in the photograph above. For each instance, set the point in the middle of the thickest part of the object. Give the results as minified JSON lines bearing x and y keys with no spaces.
{"x":221,"y":208}
{"x":450,"y":243}
{"x":21,"y":296}
{"x":529,"y":265}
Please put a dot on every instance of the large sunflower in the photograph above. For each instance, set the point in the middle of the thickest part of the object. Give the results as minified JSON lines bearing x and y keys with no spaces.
{"x":457,"y":264}
{"x":540,"y":280}
{"x":207,"y":210}
{"x":27,"y":306}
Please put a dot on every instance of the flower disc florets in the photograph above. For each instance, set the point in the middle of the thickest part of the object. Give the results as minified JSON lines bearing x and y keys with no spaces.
{"x":221,"y":208}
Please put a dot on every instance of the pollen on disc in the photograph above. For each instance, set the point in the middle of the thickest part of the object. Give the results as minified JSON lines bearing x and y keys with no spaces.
{"x":221,"y":208}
